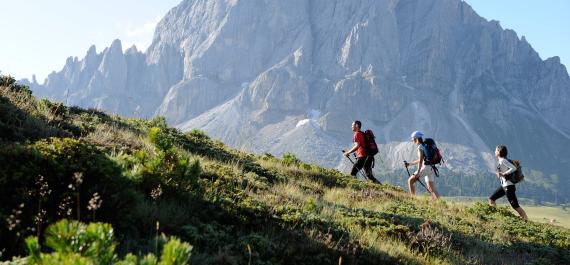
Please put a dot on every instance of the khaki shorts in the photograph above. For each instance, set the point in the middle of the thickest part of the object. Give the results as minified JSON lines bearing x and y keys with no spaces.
{"x":427,"y":173}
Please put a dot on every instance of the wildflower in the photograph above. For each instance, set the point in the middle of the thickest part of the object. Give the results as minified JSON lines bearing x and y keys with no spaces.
{"x":42,"y":186}
{"x":13,"y":219}
{"x":94,"y":202}
{"x":39,"y":218}
{"x":77,"y":180}
{"x":64,"y":208}
{"x":156,"y":193}
{"x":12,"y":222}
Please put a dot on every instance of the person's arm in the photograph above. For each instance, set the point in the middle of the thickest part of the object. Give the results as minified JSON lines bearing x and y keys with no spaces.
{"x":353,"y":149}
{"x":420,"y":161}
{"x":511,"y":168}
{"x":415,"y":162}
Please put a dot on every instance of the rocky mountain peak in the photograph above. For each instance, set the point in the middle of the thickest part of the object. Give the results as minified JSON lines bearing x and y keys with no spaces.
{"x":254,"y":73}
{"x":132,"y":50}
{"x":91,"y":52}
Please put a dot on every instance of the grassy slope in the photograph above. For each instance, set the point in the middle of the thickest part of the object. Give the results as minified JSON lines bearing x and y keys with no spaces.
{"x":234,"y":206}
{"x":538,"y":213}
{"x":545,"y":214}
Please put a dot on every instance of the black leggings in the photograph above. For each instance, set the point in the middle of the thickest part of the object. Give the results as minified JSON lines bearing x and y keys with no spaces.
{"x":367,"y":164}
{"x":510,"y":192}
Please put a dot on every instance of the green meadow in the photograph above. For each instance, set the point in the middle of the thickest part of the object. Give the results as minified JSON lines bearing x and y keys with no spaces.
{"x":79,"y":186}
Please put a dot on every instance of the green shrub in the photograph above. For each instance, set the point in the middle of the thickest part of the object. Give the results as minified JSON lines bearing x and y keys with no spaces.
{"x":52,"y":109}
{"x":290,"y":159}
{"x":10,"y":82}
{"x":21,"y":118}
{"x":158,"y":121}
{"x":42,"y":178}
{"x":310,"y":205}
{"x":175,"y":252}
{"x":34,"y":249}
{"x":197,"y":133}
{"x":95,"y":240}
{"x":169,"y":164}
{"x":73,"y":242}
{"x":7,"y":80}
{"x":160,"y":138}
{"x":484,"y":211}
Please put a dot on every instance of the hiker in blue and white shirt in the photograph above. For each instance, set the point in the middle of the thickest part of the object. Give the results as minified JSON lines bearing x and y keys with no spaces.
{"x":422,"y":170}
{"x":505,"y":170}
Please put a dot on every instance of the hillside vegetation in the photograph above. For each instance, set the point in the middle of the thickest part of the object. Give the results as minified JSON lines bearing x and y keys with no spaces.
{"x":138,"y":186}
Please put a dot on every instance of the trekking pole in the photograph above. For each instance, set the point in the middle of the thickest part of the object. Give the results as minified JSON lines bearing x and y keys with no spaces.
{"x":360,"y":170}
{"x":418,"y":179}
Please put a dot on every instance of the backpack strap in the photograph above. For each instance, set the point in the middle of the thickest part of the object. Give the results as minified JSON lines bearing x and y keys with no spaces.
{"x":366,"y":143}
{"x":510,"y":177}
{"x":435,"y":170}
{"x":426,"y":153}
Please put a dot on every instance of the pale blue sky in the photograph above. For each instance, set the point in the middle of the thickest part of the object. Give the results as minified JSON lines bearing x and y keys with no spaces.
{"x":544,"y":23}
{"x":37,"y":36}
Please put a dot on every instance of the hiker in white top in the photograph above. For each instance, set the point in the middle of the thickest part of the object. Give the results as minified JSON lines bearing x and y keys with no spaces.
{"x":422,"y":170}
{"x":505,"y":170}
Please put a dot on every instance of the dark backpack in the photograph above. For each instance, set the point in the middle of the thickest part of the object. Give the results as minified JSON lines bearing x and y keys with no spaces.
{"x":516,"y":176}
{"x":370,"y":147}
{"x":432,"y":156}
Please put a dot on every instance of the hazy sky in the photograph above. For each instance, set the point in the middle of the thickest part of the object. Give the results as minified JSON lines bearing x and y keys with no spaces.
{"x":37,"y":36}
{"x":544,"y":23}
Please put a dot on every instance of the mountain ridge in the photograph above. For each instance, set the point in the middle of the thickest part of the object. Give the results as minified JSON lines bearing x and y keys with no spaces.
{"x":434,"y":66}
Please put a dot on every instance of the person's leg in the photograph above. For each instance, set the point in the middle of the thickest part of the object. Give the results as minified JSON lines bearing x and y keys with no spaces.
{"x":431,"y":187}
{"x":368,"y":169}
{"x":512,"y":197}
{"x":354,"y":170}
{"x":522,"y":213}
{"x":412,"y":180}
{"x":430,"y":182}
{"x":358,"y":164}
{"x":412,"y":184}
{"x":500,"y":192}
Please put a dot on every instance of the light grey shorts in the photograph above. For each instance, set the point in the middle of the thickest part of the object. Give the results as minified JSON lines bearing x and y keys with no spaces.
{"x":427,"y":173}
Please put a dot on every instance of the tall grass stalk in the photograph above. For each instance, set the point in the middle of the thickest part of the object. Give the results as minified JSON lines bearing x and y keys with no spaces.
{"x":156,"y":238}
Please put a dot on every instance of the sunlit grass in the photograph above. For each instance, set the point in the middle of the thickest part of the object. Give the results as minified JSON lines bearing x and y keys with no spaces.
{"x":234,"y":206}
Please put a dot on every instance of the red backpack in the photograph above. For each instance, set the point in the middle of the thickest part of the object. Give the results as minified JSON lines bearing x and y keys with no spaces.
{"x":371,"y":148}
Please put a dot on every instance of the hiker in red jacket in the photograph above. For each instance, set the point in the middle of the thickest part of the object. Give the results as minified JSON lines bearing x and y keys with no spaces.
{"x":363,"y":160}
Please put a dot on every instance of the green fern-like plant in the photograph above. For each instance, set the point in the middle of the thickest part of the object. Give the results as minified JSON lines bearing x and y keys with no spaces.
{"x":197,"y":133}
{"x":34,"y":249}
{"x":95,"y":240}
{"x":175,"y":252}
{"x":64,"y":236}
{"x":160,"y":138}
{"x":77,"y":243}
{"x":290,"y":159}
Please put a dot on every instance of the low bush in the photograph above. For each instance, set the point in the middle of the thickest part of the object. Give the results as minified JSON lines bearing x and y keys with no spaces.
{"x":73,"y":242}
